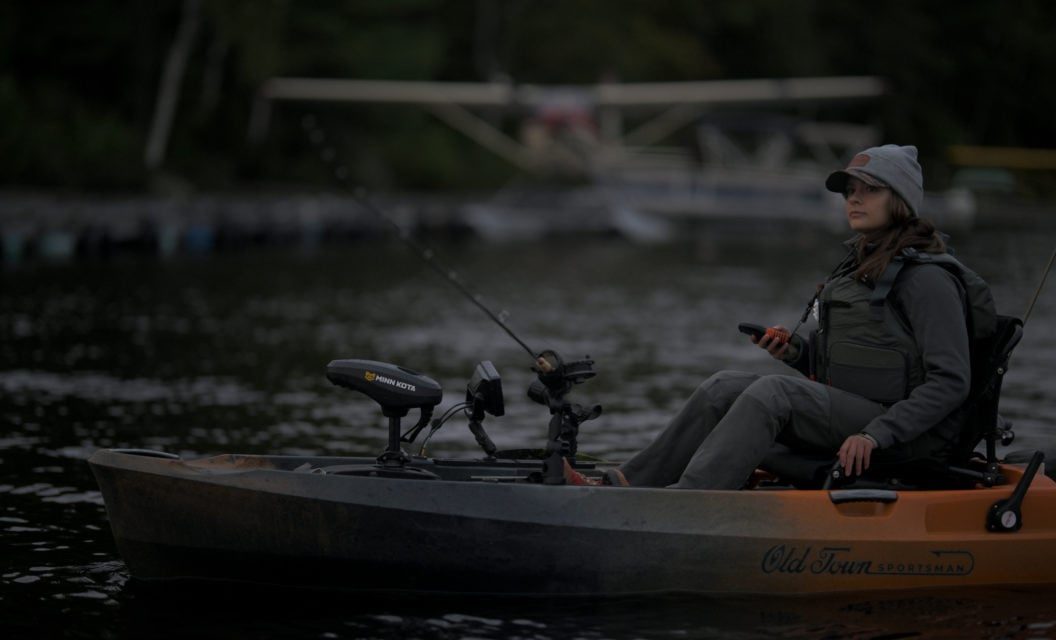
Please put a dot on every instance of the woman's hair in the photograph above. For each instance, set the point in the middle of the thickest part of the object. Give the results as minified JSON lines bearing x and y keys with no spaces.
{"x":876,"y":248}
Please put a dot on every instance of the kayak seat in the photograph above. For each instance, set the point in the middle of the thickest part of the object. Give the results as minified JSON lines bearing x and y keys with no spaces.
{"x":964,"y":467}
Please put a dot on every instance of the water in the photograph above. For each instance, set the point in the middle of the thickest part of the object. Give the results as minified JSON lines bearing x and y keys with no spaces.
{"x":226,"y":353}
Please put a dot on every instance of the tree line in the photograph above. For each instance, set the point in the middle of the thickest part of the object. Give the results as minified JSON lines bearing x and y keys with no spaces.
{"x":82,"y":84}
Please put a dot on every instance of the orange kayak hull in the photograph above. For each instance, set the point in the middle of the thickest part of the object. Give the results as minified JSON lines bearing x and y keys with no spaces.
{"x":281,"y":520}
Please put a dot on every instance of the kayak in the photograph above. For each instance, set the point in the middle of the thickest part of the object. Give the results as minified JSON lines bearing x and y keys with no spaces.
{"x":485,"y":526}
{"x":509,"y":524}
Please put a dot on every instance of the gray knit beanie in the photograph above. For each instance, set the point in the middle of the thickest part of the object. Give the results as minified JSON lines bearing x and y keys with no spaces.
{"x":887,"y":166}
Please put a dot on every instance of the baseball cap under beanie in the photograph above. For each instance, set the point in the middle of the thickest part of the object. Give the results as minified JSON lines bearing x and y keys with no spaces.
{"x":891,"y":166}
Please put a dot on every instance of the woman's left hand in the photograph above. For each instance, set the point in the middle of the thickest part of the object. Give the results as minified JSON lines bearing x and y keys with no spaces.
{"x":775,"y":341}
{"x":855,"y":454}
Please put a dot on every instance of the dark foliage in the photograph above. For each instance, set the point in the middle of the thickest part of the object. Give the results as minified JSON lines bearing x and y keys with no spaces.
{"x":79,"y":81}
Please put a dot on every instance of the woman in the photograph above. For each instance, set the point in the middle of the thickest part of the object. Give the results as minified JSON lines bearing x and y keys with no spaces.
{"x":885,"y":374}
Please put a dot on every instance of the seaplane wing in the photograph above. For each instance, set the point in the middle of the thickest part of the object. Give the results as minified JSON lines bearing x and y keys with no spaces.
{"x":610,"y":94}
{"x":593,"y":113}
{"x":619,"y":95}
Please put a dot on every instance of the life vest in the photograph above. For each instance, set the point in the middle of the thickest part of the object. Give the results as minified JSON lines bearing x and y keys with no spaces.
{"x":865,"y":346}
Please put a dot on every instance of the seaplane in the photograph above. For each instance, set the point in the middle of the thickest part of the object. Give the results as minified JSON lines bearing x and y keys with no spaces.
{"x":756,"y":150}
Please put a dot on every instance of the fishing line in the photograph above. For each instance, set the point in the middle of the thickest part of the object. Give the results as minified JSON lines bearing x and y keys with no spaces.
{"x":328,"y":154}
{"x":1041,"y":285}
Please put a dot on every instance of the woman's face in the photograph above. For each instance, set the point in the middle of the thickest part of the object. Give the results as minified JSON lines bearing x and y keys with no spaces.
{"x":867,"y":207}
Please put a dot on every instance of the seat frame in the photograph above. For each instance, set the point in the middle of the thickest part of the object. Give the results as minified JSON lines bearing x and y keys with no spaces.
{"x":964,"y":468}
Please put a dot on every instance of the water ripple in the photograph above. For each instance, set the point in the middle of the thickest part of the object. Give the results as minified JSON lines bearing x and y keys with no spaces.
{"x":209,"y":356}
{"x":102,"y":387}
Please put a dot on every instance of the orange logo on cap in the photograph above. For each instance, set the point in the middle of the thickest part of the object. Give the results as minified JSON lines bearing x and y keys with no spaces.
{"x":859,"y":160}
{"x":370,"y":375}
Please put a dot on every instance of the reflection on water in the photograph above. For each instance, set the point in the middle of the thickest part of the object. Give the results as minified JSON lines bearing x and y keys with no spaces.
{"x":227,"y":354}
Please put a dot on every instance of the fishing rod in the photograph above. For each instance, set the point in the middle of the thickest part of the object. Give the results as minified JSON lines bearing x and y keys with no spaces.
{"x":1041,"y":285}
{"x":329,"y":156}
{"x":556,"y":376}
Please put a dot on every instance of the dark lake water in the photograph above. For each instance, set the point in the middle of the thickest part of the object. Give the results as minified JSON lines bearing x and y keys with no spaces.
{"x":227,"y":353}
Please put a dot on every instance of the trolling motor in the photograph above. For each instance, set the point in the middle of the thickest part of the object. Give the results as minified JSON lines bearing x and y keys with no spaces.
{"x":555,"y":380}
{"x":397,"y":390}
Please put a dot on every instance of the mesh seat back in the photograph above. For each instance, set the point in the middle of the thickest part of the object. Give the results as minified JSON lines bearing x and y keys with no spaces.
{"x":989,"y":358}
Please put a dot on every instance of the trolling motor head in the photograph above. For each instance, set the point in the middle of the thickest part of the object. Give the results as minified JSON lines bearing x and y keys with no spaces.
{"x":396,"y":389}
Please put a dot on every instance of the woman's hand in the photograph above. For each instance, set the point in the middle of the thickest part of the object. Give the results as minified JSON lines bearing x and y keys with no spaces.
{"x":855,"y":454}
{"x":772,"y":341}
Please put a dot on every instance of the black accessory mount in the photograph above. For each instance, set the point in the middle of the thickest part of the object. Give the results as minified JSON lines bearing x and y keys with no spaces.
{"x":555,"y":380}
{"x":484,"y":395}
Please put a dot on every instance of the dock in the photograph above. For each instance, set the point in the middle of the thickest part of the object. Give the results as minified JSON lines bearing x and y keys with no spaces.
{"x":37,"y":227}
